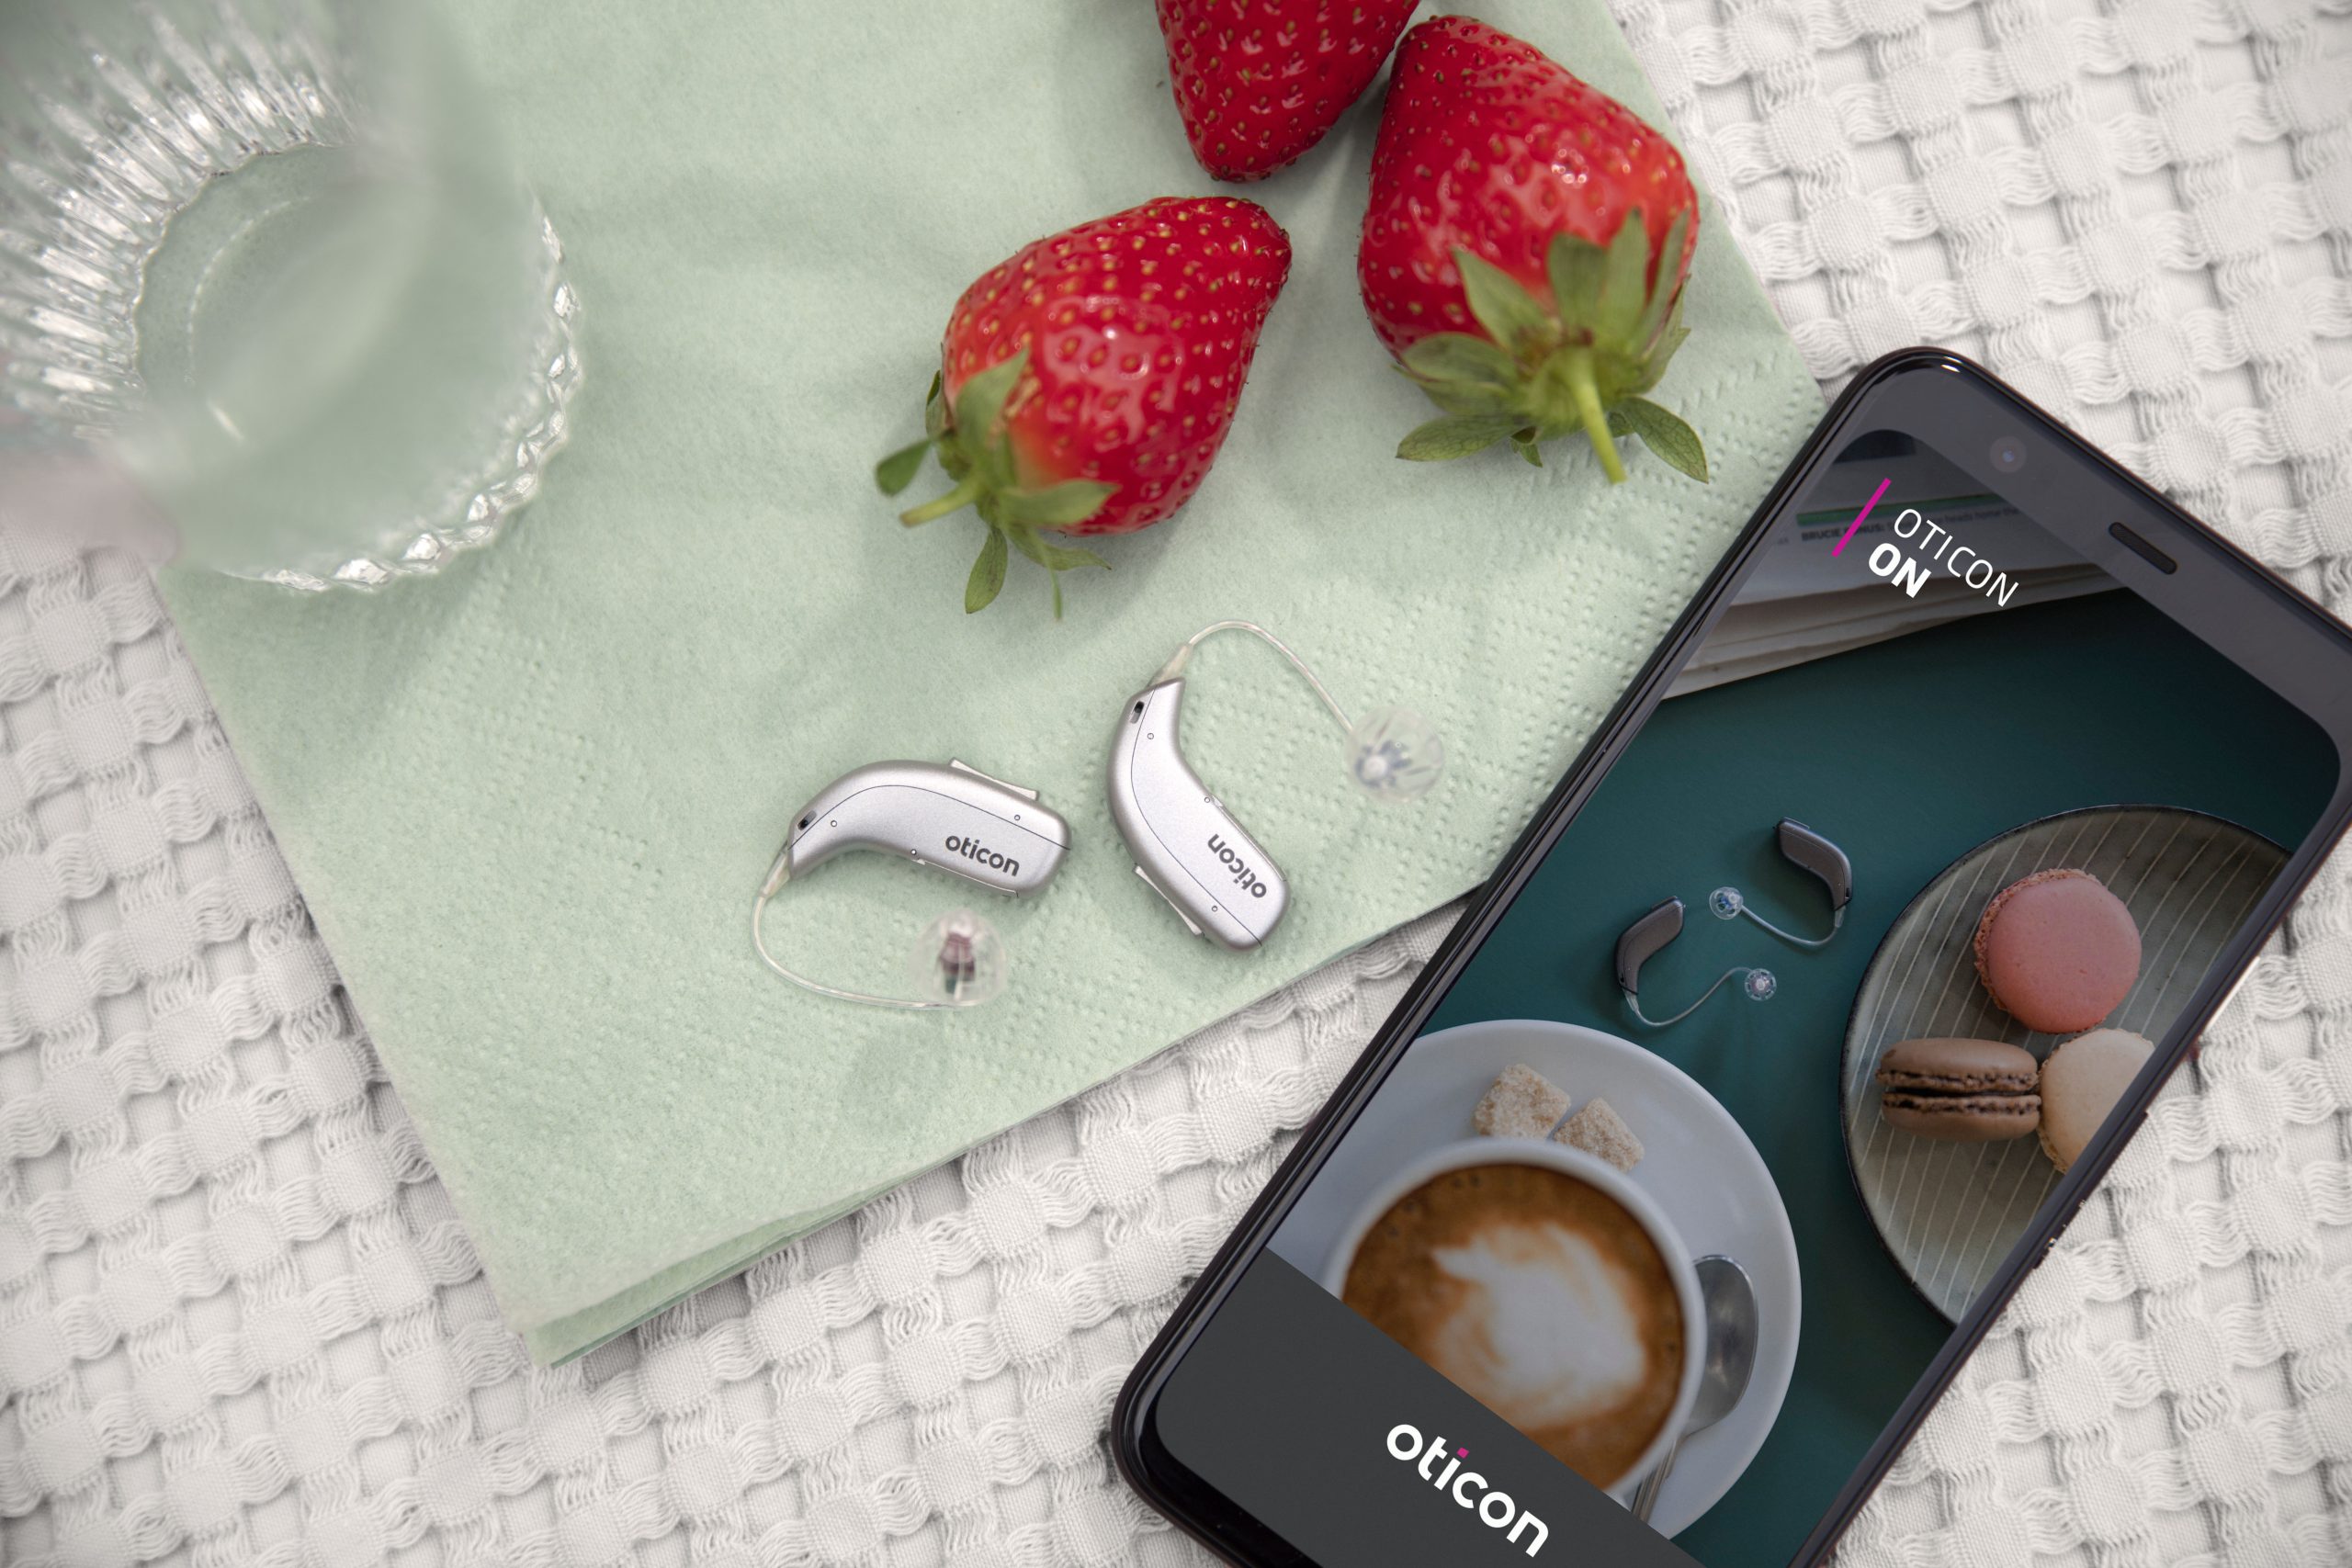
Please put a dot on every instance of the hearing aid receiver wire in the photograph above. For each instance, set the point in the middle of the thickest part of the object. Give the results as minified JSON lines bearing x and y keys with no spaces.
{"x":778,"y":874}
{"x":1758,"y":985}
{"x":1183,"y":656}
{"x":1730,"y":904}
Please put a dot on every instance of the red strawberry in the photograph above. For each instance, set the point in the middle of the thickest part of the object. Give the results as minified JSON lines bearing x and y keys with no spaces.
{"x":1259,"y":82}
{"x":1087,"y":382}
{"x":1525,"y":250}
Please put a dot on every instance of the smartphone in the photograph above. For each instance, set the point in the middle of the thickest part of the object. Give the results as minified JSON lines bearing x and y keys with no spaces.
{"x":1780,"y":1047}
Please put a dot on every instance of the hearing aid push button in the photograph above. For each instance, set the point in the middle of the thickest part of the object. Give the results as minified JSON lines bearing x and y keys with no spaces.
{"x":964,"y":767}
{"x":1171,"y":903}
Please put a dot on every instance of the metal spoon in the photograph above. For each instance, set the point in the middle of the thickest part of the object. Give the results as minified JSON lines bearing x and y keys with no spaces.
{"x":1728,"y":1298}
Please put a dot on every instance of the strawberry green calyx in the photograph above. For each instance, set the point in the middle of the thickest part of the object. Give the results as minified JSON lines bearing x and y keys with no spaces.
{"x":1578,"y":361}
{"x":976,"y":449}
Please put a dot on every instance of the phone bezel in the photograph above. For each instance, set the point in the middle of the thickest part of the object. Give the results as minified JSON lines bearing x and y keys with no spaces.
{"x":2217,"y":592}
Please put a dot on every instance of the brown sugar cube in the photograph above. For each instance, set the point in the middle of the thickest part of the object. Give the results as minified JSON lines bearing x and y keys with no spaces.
{"x":1523,"y":1103}
{"x":1600,"y":1132}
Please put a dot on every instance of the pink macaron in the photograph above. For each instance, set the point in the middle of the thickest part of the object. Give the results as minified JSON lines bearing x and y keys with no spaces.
{"x":2057,"y":950}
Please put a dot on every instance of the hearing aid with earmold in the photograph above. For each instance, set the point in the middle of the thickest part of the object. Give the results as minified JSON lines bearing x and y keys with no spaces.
{"x":1808,"y":852}
{"x":953,"y":819}
{"x":1188,"y":847}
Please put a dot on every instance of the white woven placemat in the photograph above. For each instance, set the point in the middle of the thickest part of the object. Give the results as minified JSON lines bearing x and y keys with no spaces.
{"x":238,"y":1322}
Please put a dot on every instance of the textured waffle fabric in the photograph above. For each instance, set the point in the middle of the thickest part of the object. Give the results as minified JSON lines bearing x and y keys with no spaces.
{"x":240,"y":1323}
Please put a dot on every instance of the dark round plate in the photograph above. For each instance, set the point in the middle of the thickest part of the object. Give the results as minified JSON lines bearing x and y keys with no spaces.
{"x":1950,"y":1213}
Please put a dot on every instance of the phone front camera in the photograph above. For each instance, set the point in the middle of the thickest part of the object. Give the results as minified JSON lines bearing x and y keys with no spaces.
{"x":2009,"y":454}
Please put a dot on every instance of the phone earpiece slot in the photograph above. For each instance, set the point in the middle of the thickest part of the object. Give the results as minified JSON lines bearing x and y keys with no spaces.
{"x":2140,"y":547}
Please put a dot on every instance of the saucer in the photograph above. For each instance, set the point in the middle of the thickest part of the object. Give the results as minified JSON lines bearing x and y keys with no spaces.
{"x":1697,"y":1164}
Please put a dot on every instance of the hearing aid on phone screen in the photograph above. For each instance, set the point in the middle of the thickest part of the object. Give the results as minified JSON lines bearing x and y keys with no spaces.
{"x":1655,"y":931}
{"x":953,"y":819}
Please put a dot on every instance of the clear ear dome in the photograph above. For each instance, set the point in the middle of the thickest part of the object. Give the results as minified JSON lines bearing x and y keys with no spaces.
{"x":1394,"y":754}
{"x":958,"y":960}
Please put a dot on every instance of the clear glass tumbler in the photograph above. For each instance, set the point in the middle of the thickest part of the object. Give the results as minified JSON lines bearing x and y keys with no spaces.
{"x":272,"y":259}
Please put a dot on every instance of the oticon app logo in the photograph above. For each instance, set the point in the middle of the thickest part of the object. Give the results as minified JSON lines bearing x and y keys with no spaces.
{"x":1888,"y":561}
{"x":1467,"y":1488}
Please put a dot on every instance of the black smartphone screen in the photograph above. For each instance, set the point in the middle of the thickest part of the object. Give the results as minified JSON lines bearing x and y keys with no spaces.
{"x":1895,"y":900}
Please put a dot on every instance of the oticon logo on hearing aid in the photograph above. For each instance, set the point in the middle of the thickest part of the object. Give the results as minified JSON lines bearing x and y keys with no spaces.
{"x":1466,"y":1487}
{"x":972,"y":849}
{"x":1243,"y":877}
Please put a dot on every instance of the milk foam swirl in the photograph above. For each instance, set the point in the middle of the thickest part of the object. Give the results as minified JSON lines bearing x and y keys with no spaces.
{"x":1549,"y":1330}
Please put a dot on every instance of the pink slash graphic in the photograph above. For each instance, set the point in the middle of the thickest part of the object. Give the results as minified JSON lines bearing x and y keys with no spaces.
{"x":1865,"y":512}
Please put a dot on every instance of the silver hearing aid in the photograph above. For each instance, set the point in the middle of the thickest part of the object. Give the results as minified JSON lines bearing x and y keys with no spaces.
{"x":1188,"y":848}
{"x":954,"y":819}
{"x":1650,"y":935}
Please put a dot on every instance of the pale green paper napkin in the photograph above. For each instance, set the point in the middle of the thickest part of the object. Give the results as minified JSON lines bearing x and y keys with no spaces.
{"x":528,"y":801}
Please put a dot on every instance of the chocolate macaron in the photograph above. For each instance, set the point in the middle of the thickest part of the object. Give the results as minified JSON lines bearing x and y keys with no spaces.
{"x":2057,"y":950}
{"x":1973,"y":1091}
